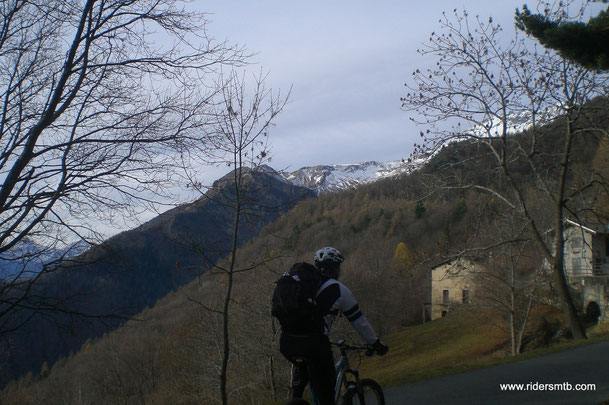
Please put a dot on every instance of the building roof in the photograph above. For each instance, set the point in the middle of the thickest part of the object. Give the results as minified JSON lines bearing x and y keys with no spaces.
{"x":590,"y":228}
{"x":458,"y":260}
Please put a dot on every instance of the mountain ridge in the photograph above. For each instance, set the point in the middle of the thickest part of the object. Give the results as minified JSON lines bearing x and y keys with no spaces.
{"x":133,"y":269}
{"x":335,"y":177}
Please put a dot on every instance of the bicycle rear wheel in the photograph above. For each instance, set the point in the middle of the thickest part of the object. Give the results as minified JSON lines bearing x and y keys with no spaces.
{"x":372,"y":394}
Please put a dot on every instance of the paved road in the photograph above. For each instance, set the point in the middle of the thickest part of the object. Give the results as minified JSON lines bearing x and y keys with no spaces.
{"x":583,"y":365}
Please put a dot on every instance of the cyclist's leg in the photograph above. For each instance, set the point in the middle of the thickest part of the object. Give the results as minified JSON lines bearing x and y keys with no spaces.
{"x":295,"y":349}
{"x":317,"y":354}
{"x":321,"y":372}
{"x":300,"y":378}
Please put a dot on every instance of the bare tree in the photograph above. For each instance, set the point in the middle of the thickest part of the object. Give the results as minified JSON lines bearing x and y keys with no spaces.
{"x":95,"y":98}
{"x":239,"y":127}
{"x":480,"y":82}
{"x":511,"y":278}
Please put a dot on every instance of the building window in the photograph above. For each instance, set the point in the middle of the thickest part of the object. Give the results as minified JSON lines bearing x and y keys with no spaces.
{"x":466,"y":299}
{"x":576,"y":266}
{"x":446,"y":296}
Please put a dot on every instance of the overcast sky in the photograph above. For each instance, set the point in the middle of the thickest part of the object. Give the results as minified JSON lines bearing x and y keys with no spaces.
{"x":346,"y":62}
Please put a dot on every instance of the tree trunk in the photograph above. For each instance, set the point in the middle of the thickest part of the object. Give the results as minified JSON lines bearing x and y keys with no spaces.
{"x":577,"y":329}
{"x":558,"y":264}
{"x":513,"y":333}
{"x":513,"y":310}
{"x":525,"y":319}
{"x":225,"y":320}
{"x":229,"y":287}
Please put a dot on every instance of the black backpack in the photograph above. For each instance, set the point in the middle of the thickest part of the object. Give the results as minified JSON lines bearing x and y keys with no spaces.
{"x":293,"y":302}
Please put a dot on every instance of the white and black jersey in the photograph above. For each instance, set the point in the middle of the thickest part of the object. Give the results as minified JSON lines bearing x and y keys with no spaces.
{"x":334,"y":298}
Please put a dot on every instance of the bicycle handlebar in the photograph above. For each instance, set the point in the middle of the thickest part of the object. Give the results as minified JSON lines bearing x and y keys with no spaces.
{"x":343,"y":346}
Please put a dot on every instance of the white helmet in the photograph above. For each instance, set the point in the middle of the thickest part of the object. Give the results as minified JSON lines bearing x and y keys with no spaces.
{"x":328,"y":255}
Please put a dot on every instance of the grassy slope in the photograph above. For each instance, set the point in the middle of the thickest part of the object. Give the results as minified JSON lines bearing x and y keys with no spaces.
{"x":445,"y":346}
{"x":462,"y":341}
{"x":457,"y":343}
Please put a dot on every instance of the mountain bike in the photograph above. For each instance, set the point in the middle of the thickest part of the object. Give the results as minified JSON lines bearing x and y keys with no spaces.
{"x":349,"y":388}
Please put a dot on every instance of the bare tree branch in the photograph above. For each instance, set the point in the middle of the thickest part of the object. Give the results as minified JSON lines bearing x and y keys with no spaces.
{"x":481,"y":80}
{"x":96,"y":99}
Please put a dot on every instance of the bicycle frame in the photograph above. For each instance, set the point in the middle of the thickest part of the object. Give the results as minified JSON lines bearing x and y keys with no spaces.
{"x":342,"y":368}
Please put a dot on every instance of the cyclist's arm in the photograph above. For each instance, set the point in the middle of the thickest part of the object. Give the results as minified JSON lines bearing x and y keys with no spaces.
{"x":351,"y":310}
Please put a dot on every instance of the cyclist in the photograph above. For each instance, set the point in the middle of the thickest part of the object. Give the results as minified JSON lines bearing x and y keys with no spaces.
{"x":311,"y":353}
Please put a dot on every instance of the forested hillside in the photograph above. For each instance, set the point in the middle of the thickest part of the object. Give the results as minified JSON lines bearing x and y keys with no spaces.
{"x":171,"y":351}
{"x":391,"y":233}
{"x":98,"y":290}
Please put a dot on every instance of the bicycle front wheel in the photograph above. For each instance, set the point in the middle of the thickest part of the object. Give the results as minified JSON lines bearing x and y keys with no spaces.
{"x":372,"y":394}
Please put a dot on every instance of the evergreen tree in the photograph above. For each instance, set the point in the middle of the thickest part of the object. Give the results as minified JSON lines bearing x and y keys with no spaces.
{"x":584,"y":43}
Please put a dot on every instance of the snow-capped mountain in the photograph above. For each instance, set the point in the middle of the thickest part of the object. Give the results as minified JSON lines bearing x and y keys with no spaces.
{"x":327,"y":178}
{"x":516,"y":122}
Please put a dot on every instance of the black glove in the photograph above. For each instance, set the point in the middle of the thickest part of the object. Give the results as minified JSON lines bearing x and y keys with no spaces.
{"x":380,"y":348}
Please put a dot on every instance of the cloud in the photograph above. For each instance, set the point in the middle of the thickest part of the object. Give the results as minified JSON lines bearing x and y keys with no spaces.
{"x":346,"y":63}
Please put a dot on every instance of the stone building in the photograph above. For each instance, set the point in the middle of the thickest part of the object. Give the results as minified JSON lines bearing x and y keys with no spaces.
{"x":451,"y":283}
{"x":586,"y":252}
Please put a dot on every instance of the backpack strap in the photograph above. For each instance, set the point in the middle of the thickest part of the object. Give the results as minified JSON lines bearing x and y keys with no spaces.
{"x":325,"y":283}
